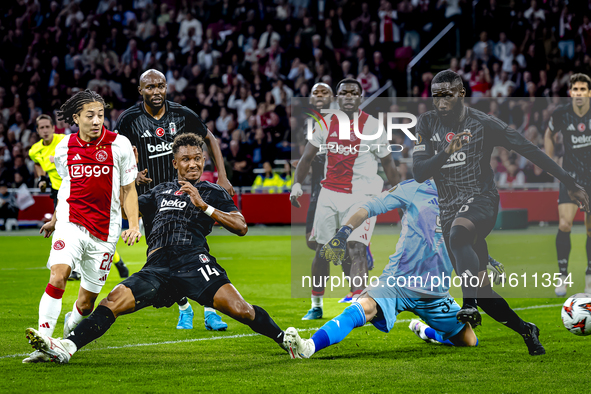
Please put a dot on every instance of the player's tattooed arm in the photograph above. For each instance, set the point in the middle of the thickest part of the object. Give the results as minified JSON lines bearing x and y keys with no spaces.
{"x":232,"y":221}
{"x":129,"y":201}
{"x":218,"y":160}
{"x":301,"y":171}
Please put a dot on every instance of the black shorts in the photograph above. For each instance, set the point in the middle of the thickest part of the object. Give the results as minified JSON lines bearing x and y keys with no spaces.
{"x":175,"y":272}
{"x":310,"y":215}
{"x":482,"y":210}
{"x":563,"y":197}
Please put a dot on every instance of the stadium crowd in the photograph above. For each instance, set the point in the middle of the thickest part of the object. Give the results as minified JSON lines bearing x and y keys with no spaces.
{"x":239,"y":63}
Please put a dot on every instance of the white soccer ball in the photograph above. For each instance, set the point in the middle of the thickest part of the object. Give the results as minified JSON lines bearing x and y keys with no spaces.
{"x":576,"y":314}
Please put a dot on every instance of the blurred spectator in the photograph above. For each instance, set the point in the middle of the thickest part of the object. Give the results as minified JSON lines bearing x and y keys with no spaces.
{"x":242,"y":103}
{"x":8,"y":207}
{"x":369,"y":82}
{"x":512,"y":177}
{"x":240,"y":160}
{"x":268,"y":182}
{"x":190,"y":27}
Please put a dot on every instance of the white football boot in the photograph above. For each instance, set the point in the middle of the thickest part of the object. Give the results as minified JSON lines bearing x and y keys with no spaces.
{"x":298,"y":347}
{"x":68,"y":328}
{"x":418,"y":327}
{"x":37,"y":357}
{"x":59,"y":350}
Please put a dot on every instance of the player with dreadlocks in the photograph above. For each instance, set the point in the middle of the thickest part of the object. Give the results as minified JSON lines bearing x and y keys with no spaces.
{"x":98,"y":171}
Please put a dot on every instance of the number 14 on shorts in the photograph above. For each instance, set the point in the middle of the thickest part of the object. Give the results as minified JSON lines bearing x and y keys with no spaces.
{"x":210,"y":272}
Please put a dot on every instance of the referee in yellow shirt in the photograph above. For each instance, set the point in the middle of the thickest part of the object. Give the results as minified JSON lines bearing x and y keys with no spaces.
{"x":42,"y":154}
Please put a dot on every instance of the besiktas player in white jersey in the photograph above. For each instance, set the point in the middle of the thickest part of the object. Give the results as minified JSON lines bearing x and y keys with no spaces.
{"x":351,"y":180}
{"x":98,"y":171}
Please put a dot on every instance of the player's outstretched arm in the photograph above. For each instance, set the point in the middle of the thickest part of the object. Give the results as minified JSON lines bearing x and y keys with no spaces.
{"x":521,"y":145}
{"x":218,"y":160}
{"x":129,"y":201}
{"x":335,"y":250}
{"x":301,"y":171}
{"x":232,"y":221}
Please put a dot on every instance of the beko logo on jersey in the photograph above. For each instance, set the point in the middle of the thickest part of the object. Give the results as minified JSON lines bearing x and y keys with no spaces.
{"x":161,"y":149}
{"x":457,"y":159}
{"x":81,"y":170}
{"x":580,"y":141}
{"x":172,"y":204}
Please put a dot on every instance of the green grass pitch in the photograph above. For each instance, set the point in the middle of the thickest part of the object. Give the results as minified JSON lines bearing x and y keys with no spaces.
{"x":144,"y":352}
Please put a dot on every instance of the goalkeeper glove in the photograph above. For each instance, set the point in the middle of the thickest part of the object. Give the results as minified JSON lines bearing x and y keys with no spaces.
{"x":498,"y":271}
{"x":335,"y":250}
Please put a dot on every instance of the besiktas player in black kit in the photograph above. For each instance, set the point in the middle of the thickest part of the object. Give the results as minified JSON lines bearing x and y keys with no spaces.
{"x":179,"y":262}
{"x":151,"y":127}
{"x":573,"y":120}
{"x":454,"y":147}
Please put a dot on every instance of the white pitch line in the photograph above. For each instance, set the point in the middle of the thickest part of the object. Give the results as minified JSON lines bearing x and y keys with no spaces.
{"x":245,"y":335}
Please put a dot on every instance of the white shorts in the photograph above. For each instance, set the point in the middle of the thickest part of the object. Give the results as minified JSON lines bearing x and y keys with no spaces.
{"x":334,"y":210}
{"x":73,"y":245}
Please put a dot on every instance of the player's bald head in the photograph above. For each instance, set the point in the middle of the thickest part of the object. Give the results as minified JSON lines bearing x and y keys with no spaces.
{"x":321,"y":95}
{"x":321,"y":85}
{"x":153,"y":89}
{"x":151,"y":74}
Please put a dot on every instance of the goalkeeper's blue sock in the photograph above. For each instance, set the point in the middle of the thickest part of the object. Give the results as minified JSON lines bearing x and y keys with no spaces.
{"x":338,"y":328}
{"x":432,"y":334}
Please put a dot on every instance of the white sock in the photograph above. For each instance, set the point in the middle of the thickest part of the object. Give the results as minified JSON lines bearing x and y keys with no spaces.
{"x":49,"y":311}
{"x":317,"y":301}
{"x":70,"y":346}
{"x":184,"y":307}
{"x":208,"y":309}
{"x":75,"y":317}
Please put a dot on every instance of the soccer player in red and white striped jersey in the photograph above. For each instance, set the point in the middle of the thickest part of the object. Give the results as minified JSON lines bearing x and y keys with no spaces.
{"x":98,"y":171}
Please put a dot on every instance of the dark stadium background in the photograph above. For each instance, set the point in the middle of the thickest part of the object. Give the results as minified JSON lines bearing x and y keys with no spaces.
{"x":239,"y":63}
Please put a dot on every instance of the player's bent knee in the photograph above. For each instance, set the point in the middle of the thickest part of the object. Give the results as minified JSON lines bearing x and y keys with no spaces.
{"x":86,"y":306}
{"x":466,"y":337}
{"x":565,"y":226}
{"x":120,"y":300}
{"x":242,"y":311}
{"x":370,"y":307}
